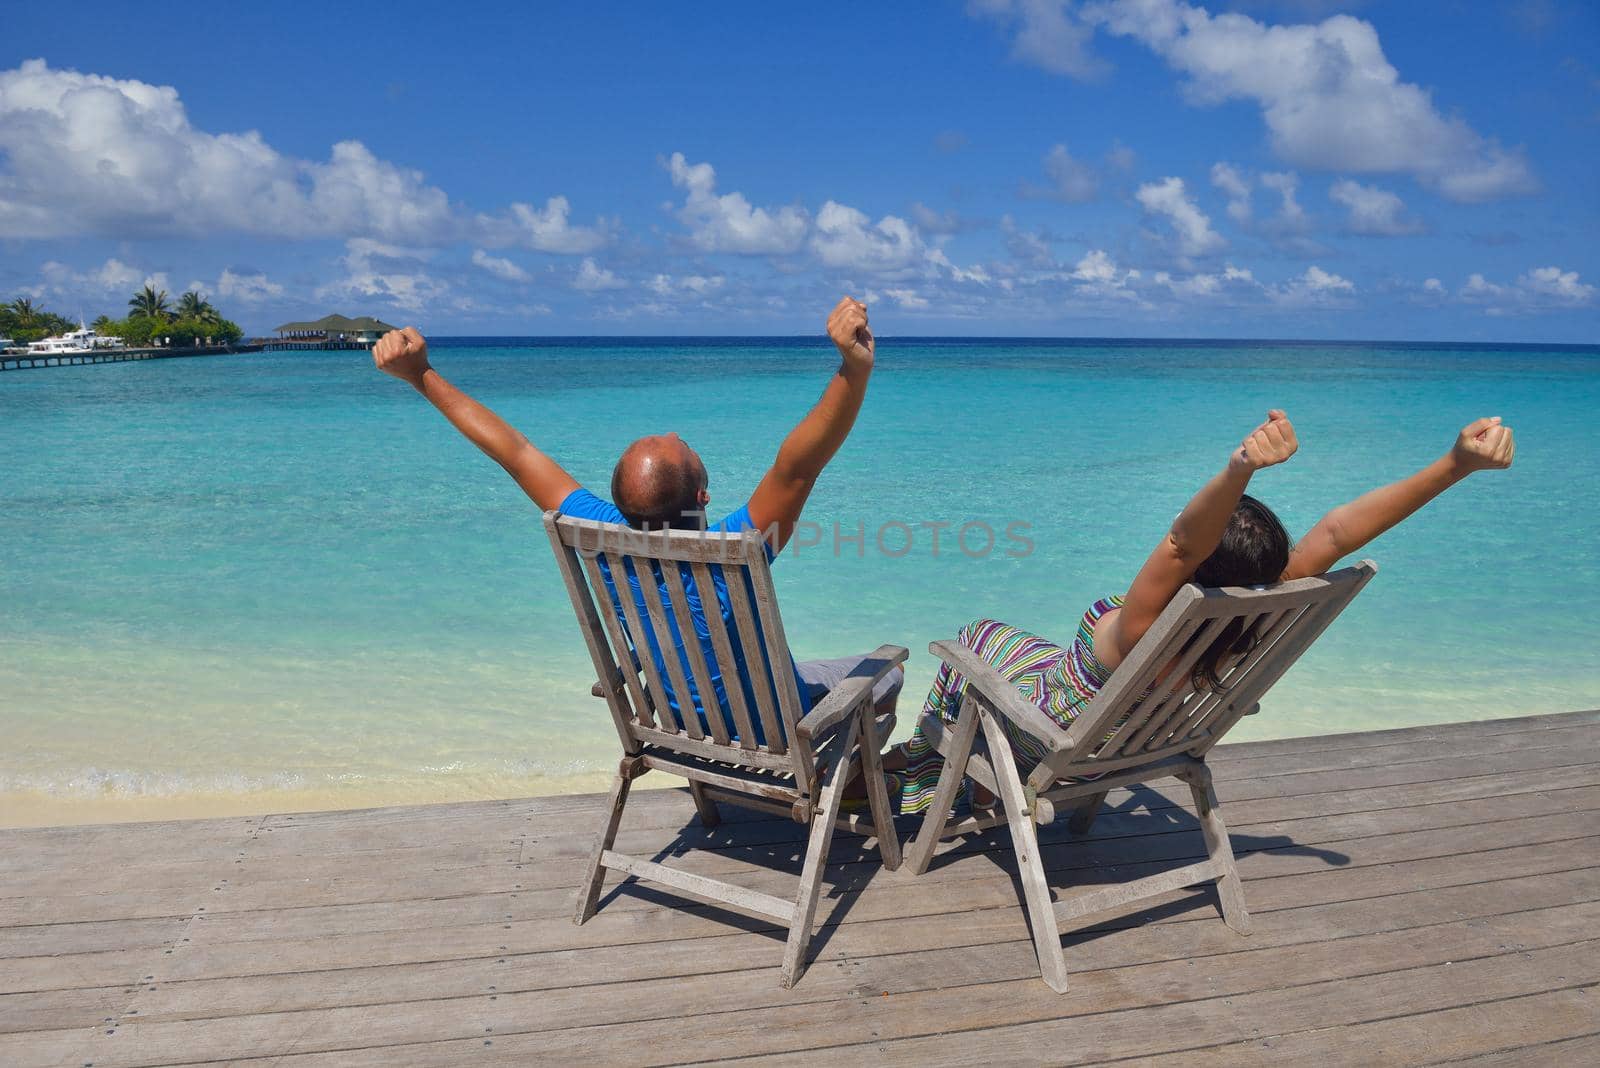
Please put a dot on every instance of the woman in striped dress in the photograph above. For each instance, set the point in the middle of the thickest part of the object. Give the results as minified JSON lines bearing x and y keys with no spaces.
{"x":1223,"y":537}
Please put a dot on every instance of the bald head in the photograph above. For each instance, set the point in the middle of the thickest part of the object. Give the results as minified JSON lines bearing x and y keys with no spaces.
{"x":660,"y":482}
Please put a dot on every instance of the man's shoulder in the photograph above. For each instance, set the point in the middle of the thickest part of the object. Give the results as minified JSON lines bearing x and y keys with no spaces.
{"x":582,"y":504}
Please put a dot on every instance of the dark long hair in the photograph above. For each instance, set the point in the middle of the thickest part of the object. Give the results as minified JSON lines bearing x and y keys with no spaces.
{"x":1254,"y":551}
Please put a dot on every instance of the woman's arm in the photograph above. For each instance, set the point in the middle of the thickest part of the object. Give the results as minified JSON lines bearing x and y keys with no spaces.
{"x":1481,"y":446}
{"x":1195,"y":535}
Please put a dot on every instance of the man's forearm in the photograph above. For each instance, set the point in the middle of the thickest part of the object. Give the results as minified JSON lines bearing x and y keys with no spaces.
{"x":498,"y":439}
{"x":811,"y":444}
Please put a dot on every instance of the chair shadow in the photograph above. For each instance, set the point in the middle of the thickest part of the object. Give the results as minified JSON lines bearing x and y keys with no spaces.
{"x":1144,"y":830}
{"x":777,"y":845}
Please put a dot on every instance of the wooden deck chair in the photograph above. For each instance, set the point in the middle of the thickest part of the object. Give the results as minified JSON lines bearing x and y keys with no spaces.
{"x":801,"y":763}
{"x":1147,"y":722}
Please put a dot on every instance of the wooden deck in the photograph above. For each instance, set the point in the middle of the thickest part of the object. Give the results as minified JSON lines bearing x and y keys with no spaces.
{"x":1420,"y":896}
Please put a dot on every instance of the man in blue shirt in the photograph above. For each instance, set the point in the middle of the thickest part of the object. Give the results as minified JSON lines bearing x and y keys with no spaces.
{"x":661,"y":482}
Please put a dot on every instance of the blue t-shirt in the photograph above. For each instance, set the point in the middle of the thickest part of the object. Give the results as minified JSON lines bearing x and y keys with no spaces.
{"x":581,"y":504}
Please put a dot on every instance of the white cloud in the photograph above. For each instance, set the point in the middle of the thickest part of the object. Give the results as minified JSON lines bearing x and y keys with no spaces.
{"x":1046,"y":35}
{"x":943,"y":223}
{"x":1539,"y":289}
{"x":1315,"y":287}
{"x":728,"y":223}
{"x":1071,"y":180}
{"x":1372,"y":210}
{"x":1190,"y":226}
{"x":1556,"y":284}
{"x":1433,"y":285}
{"x":499,"y":267}
{"x":1026,"y":246}
{"x":1236,"y":187}
{"x":91,"y":155}
{"x":1098,"y":273}
{"x":1330,"y":98}
{"x":846,"y":237}
{"x":907,"y":299}
{"x":591,"y":278}
{"x":246,"y":288}
{"x":544,"y":229}
{"x":1230,"y":282}
{"x":1291,"y":217}
{"x":693,"y":284}
{"x":385,"y":273}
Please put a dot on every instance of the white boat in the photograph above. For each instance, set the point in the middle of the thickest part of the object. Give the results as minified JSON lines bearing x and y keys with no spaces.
{"x":76,"y":343}
{"x":7,"y":347}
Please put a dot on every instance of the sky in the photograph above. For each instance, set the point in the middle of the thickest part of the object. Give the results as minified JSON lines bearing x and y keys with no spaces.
{"x":1417,"y":170}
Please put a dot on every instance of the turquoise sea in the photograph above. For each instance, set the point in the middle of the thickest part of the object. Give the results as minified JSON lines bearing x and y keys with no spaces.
{"x":286,"y":575}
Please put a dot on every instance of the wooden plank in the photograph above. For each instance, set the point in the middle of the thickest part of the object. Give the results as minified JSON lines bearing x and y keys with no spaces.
{"x":759,"y":667}
{"x":1561,"y":1018}
{"x":1018,"y":1017}
{"x":718,"y":894}
{"x":703,"y":682}
{"x":879,"y":948}
{"x":643,"y":711}
{"x":723,"y":649}
{"x":968,"y":1037}
{"x":641,"y":642}
{"x":668,"y":647}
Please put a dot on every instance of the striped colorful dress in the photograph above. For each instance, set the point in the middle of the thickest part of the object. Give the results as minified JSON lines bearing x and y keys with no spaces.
{"x":1059,"y":681}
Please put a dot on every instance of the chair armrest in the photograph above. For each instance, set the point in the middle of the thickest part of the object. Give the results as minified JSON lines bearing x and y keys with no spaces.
{"x":596,"y":691}
{"x":848,"y":694}
{"x":1000,"y":692}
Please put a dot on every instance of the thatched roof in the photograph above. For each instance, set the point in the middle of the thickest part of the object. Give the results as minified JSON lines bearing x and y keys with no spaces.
{"x":337,"y":324}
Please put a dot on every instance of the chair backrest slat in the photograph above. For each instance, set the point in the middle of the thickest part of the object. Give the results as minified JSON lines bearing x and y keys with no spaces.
{"x":1150,"y":708}
{"x":772,"y":629}
{"x":605,"y":666}
{"x":756,"y":664}
{"x":634,"y":635}
{"x":1209,"y":705}
{"x":1171,"y":691}
{"x":704,"y":684}
{"x":647,"y":572}
{"x":642,"y":701}
{"x":722,"y":648}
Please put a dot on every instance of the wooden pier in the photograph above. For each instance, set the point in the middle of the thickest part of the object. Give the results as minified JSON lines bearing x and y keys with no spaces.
{"x":1427,"y":895}
{"x":26,"y":362}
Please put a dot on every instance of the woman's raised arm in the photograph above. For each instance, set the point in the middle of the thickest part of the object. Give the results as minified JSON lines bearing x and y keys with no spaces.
{"x":1195,"y":535}
{"x":1482,"y":445}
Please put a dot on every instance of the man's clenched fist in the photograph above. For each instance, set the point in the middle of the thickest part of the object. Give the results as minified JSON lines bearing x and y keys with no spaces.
{"x":402,"y":353}
{"x":1270,"y":443}
{"x":1484,"y":445}
{"x":847,"y":326}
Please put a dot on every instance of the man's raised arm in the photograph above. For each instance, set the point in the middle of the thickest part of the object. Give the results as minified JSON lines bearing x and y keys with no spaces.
{"x":404,"y":354}
{"x":808,"y":448}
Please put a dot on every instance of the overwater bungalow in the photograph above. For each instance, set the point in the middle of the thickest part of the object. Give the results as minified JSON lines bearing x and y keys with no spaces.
{"x":333,"y":331}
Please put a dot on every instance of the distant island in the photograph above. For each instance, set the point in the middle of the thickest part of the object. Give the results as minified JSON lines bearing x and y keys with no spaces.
{"x":151,"y":320}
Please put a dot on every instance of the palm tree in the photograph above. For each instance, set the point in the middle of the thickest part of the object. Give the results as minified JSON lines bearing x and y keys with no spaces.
{"x":195,"y":307}
{"x":100,"y":323}
{"x":150,"y":304}
{"x":26,"y":314}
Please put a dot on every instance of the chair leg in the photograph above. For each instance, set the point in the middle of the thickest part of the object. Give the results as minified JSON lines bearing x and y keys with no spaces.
{"x":707,"y":808}
{"x":823,"y":821}
{"x":1035,"y":890}
{"x":1230,"y":894}
{"x":944,"y":795}
{"x":589,"y":889}
{"x":1083,"y":816}
{"x":877,"y":792}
